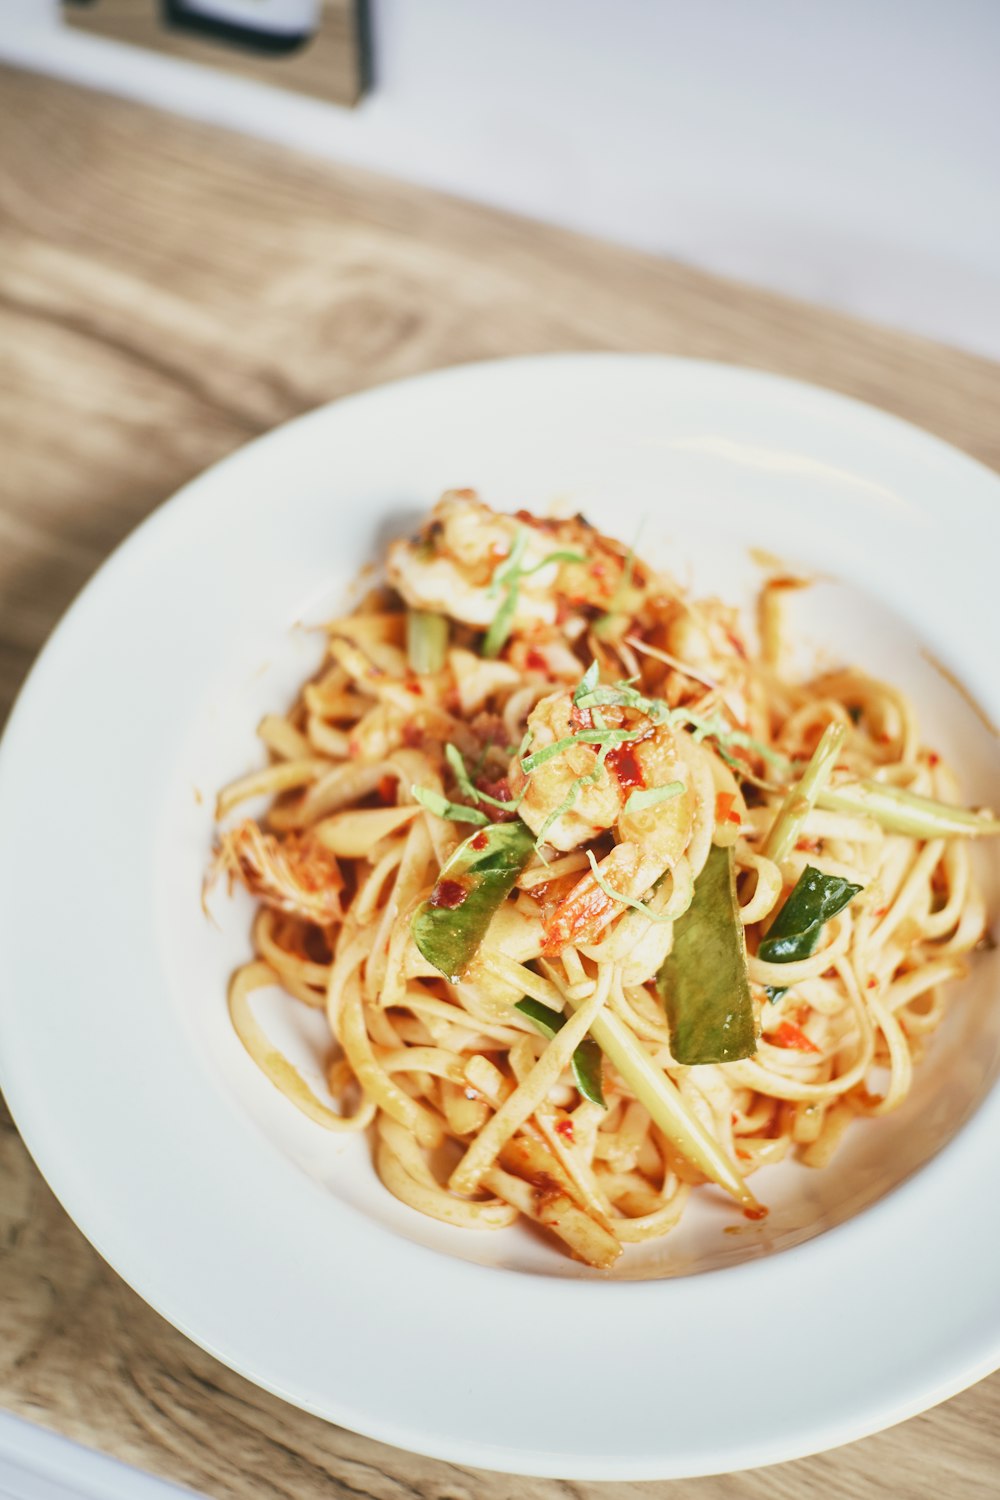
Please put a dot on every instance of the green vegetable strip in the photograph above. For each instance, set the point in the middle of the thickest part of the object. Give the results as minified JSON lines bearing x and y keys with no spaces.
{"x":455,"y":812}
{"x":586,"y":1060}
{"x":801,"y":799}
{"x":899,"y":811}
{"x":703,"y":980}
{"x":796,"y":931}
{"x":449,"y":927}
{"x":661,"y":1097}
{"x":426,"y":641}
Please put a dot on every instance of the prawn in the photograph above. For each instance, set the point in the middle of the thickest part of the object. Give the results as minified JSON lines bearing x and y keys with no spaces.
{"x":294,"y":874}
{"x":582,"y":792}
{"x":449,"y":566}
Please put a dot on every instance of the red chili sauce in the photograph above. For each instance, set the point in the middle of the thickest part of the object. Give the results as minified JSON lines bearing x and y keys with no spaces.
{"x":449,"y":894}
{"x":625,"y":764}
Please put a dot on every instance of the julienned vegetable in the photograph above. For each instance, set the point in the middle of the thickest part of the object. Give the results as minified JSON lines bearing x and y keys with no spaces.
{"x":426,"y":641}
{"x":801,"y":799}
{"x":703,"y":981}
{"x":449,"y":926}
{"x":586,"y":1062}
{"x":661,"y":1097}
{"x":900,"y":811}
{"x":796,"y":930}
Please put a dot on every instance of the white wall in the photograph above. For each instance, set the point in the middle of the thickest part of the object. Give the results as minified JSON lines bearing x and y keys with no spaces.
{"x":847,"y":152}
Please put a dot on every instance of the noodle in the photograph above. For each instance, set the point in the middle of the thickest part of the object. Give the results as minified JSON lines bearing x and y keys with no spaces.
{"x":567,"y":689}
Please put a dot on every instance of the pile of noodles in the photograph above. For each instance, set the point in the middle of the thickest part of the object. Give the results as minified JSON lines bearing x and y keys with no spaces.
{"x":476,"y":1116}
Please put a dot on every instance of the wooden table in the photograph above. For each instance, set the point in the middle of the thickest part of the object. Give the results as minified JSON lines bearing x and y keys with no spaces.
{"x":166,"y":293}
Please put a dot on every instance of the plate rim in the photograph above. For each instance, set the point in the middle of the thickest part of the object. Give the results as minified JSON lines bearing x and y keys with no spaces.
{"x":504,"y":1459}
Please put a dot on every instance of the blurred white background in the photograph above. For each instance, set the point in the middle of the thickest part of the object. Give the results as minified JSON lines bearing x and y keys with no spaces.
{"x":847,"y":153}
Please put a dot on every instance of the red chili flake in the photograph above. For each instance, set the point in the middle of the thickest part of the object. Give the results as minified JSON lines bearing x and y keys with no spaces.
{"x":625,"y":764}
{"x":598,"y":570}
{"x":413,"y":736}
{"x":724,"y":811}
{"x":884,"y":738}
{"x":733,"y":1117}
{"x":880,"y":911}
{"x":829,"y":973}
{"x":498,"y":788}
{"x":743,"y":1155}
{"x":933,"y":759}
{"x":760,"y":1212}
{"x":535,"y":661}
{"x":810,"y":846}
{"x":565,"y":1129}
{"x":415,"y":688}
{"x":792,"y":1036}
{"x":736,"y":644}
{"x":449,"y":894}
{"x":500,"y":791}
{"x":872,"y":982}
{"x":353,"y":749}
{"x":387,"y":790}
{"x":480,"y":841}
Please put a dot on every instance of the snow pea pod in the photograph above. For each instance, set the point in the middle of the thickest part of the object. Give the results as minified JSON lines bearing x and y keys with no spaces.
{"x":586,"y":1062}
{"x":450,"y":925}
{"x":703,"y":981}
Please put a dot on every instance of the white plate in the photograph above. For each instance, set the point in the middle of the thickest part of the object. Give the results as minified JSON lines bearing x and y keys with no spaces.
{"x":272,"y":1244}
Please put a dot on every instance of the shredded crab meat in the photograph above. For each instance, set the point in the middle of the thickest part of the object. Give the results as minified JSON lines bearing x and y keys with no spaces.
{"x":295,"y":874}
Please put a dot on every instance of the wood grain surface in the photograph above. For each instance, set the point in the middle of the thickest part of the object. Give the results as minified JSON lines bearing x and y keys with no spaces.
{"x":166,"y":293}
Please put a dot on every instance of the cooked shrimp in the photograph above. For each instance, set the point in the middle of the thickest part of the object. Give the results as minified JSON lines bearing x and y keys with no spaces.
{"x":450,"y":566}
{"x":572,"y":798}
{"x":296,"y":875}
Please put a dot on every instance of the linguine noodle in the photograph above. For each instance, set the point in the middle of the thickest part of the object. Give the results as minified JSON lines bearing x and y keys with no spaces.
{"x":527,"y":679}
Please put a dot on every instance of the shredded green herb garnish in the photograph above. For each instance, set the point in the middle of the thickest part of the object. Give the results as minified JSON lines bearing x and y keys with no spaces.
{"x":455,"y":812}
{"x":609,"y":890}
{"x":508,"y":575}
{"x":605,"y":737}
{"x":588,"y":682}
{"x":573,"y":796}
{"x":650,"y":796}
{"x":468,"y":787}
{"x":711,"y":726}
